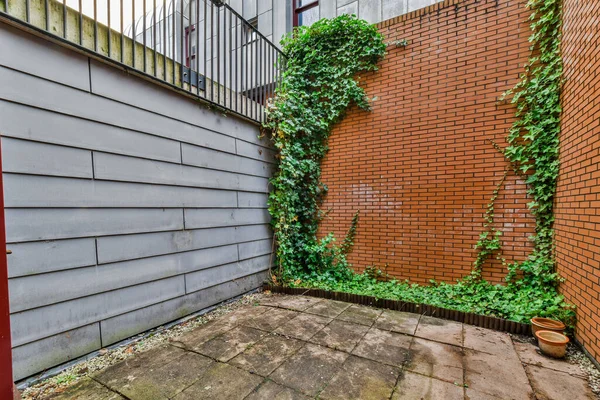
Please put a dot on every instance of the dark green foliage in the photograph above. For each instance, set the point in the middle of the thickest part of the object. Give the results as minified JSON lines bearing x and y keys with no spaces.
{"x":317,"y":87}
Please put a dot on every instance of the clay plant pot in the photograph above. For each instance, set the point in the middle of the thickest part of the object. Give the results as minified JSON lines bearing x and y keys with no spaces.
{"x":546,"y":324}
{"x":552,"y":344}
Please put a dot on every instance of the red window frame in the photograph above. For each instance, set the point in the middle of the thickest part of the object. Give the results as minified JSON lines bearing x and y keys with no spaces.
{"x":299,"y":10}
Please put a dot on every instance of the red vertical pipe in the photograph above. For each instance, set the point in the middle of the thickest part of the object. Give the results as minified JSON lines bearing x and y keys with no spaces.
{"x":6,"y":374}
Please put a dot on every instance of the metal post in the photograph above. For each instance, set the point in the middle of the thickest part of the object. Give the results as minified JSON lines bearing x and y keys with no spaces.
{"x":6,"y":373}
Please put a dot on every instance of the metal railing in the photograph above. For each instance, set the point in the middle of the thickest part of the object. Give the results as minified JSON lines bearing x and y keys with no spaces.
{"x":202,"y":47}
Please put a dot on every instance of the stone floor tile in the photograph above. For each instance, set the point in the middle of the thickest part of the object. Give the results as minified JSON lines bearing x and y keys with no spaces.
{"x":328,"y":308}
{"x":398,"y":321}
{"x":151,"y":380}
{"x":272,"y":391}
{"x":362,"y":315}
{"x":310,"y":369}
{"x":231,"y":343}
{"x":340,"y":335}
{"x":549,"y":384}
{"x":243,"y":314}
{"x":383,"y":346}
{"x":193,"y":339}
{"x":437,"y":360}
{"x":303,"y":327}
{"x":296,"y":303}
{"x":86,"y":389}
{"x":495,"y":375}
{"x":414,"y":386}
{"x":487,"y":340}
{"x":440,"y":330}
{"x":265,"y":356}
{"x":530,"y":354}
{"x":223,"y":382}
{"x":361,"y":379}
{"x":471,"y":394}
{"x":271,"y":320}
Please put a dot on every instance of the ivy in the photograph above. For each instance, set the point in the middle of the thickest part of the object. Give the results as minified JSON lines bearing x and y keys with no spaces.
{"x":317,"y":87}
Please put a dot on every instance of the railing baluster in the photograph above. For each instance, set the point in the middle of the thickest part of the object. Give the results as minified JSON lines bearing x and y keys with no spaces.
{"x":243,"y":66}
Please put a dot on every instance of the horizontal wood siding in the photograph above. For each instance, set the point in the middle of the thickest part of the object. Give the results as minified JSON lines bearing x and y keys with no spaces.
{"x":128,"y":205}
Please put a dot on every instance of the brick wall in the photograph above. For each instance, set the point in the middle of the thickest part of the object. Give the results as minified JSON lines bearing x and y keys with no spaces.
{"x":578,"y":198}
{"x":420,"y":166}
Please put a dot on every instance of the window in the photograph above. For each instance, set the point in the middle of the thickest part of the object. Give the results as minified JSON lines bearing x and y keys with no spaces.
{"x":250,"y":30}
{"x":306,"y":12}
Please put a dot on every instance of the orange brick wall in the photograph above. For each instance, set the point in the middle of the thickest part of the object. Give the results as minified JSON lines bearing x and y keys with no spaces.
{"x":420,"y":166}
{"x":577,"y":212}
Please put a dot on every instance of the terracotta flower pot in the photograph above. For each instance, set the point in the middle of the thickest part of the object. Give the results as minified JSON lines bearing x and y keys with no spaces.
{"x":546,"y":324}
{"x":552,"y":343}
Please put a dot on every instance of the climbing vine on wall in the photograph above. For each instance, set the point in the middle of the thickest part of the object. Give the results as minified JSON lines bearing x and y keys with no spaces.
{"x":318,"y":85}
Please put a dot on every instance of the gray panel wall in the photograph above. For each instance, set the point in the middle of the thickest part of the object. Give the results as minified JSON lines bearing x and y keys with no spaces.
{"x":128,"y":205}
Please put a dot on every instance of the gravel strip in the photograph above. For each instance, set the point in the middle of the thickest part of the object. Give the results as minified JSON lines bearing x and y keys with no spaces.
{"x":108,"y":357}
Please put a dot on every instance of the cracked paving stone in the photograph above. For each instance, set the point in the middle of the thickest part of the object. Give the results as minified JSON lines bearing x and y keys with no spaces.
{"x":303,"y":327}
{"x":271,"y":320}
{"x":530,"y":354}
{"x":398,"y":321}
{"x":296,"y":303}
{"x":310,"y":369}
{"x":496,"y":375}
{"x":487,"y":340}
{"x":151,"y":380}
{"x":197,"y":337}
{"x":414,"y":386}
{"x":223,"y":382}
{"x":340,"y":335}
{"x":268,"y":354}
{"x":440,"y":330}
{"x":362,"y":315}
{"x":271,"y":390}
{"x":437,"y":360}
{"x":86,"y":389}
{"x":231,"y":343}
{"x":549,"y":384}
{"x":328,"y":308}
{"x":383,"y":346}
{"x":361,"y":379}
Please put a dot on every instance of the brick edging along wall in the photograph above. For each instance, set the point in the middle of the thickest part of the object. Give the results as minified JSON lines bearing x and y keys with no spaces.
{"x":421,"y":166}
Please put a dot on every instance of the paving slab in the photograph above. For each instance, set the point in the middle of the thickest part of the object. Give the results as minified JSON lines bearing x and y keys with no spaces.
{"x":152,"y":380}
{"x":361,"y":379}
{"x":304,"y":326}
{"x":86,"y":389}
{"x":471,"y":394}
{"x":328,"y":308}
{"x":263,"y":357}
{"x":340,"y":335}
{"x":271,"y":320}
{"x":360,"y":315}
{"x":398,"y":321}
{"x":231,"y":343}
{"x":530,"y":354}
{"x":243,"y":314}
{"x":296,"y":303}
{"x":223,"y":382}
{"x":414,"y":386}
{"x":194,"y":339}
{"x":271,"y":390}
{"x":384,"y":346}
{"x":310,"y":369}
{"x":440,"y":330}
{"x":496,"y":375}
{"x":549,"y":384}
{"x":436,"y":360}
{"x":487,"y":340}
